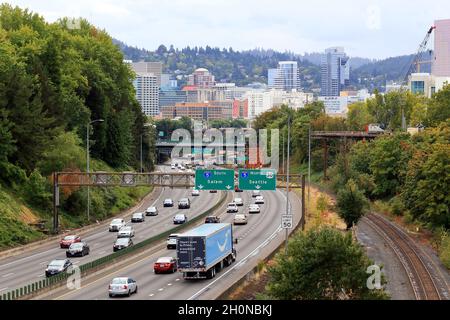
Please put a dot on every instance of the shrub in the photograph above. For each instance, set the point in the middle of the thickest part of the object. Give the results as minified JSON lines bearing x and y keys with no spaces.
{"x":321,"y":264}
{"x":351,"y":203}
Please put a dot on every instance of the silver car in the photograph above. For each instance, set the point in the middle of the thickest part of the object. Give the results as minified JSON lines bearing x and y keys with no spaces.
{"x":116,"y":224}
{"x":151,"y":211}
{"x":138,"y":217}
{"x":122,"y":286}
{"x":126,"y":232}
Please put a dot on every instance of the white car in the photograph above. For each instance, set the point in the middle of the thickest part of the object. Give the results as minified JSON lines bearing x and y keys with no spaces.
{"x":172,"y":241}
{"x":126,"y":232}
{"x":232,"y":207}
{"x":116,"y":224}
{"x":151,"y":211}
{"x":259,"y":200}
{"x":240,"y":219}
{"x":138,"y":217}
{"x":255,"y":193}
{"x":168,"y":203}
{"x":173,"y":166}
{"x":195,"y":193}
{"x":122,"y":286}
{"x":239,"y":202}
{"x":254,"y":208}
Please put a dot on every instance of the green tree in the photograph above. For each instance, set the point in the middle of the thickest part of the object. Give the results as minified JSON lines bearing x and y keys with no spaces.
{"x":389,"y":157}
{"x":358,"y":116}
{"x":351,"y":203}
{"x":321,"y":264}
{"x":438,"y":109}
{"x":425,"y":192}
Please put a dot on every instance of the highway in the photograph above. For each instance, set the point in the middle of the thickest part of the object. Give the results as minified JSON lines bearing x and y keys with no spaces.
{"x":28,"y":267}
{"x":261,"y":235}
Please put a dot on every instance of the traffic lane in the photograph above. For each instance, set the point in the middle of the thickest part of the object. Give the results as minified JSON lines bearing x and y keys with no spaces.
{"x":91,"y":235}
{"x":170,"y":286}
{"x":98,"y":289}
{"x":266,"y":222}
{"x":32,"y":268}
{"x":13,"y":277}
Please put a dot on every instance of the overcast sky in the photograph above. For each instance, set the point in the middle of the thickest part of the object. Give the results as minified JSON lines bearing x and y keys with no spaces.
{"x":373,"y":29}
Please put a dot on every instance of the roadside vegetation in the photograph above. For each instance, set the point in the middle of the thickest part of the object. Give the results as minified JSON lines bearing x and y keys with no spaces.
{"x":407,"y":175}
{"x":54,"y":80}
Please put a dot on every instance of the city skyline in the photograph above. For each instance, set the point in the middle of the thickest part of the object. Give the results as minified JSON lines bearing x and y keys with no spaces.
{"x":369,"y":29}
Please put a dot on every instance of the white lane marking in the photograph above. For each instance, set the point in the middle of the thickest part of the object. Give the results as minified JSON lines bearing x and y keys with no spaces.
{"x":161,"y":289}
{"x":151,"y":294}
{"x":8,"y":275}
{"x":239,"y":263}
{"x":178,"y":279}
{"x":95,"y":234}
{"x":169,"y":284}
{"x":43,"y":262}
{"x":3,"y":289}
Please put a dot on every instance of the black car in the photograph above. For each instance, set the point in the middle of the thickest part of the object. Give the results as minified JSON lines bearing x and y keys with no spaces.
{"x":184,"y":203}
{"x":122,"y":243}
{"x":212,"y":219}
{"x":168,"y":203}
{"x":79,"y":249}
{"x":57,"y":266}
{"x":212,"y":191}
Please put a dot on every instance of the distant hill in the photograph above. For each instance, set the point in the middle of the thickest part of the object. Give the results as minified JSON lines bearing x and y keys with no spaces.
{"x":245,"y":67}
{"x":375,"y":75}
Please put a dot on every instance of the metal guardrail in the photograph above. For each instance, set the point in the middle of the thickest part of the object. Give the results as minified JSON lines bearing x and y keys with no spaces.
{"x":55,"y":281}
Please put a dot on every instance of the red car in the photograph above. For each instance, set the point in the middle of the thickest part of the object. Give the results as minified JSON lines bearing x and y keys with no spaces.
{"x":165,"y":265}
{"x":68,"y":240}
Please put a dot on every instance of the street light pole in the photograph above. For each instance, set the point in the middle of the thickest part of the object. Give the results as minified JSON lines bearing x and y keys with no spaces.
{"x":309,"y":165}
{"x":287,"y":179}
{"x":87,"y":165}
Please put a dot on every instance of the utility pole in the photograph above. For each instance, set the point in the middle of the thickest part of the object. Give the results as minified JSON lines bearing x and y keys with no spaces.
{"x":287,"y":179}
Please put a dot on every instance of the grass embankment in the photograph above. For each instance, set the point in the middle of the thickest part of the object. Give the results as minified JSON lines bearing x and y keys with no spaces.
{"x":17,"y":216}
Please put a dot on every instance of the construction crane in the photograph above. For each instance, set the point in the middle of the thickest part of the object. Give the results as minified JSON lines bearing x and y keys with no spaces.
{"x":418,"y":58}
{"x":415,"y":66}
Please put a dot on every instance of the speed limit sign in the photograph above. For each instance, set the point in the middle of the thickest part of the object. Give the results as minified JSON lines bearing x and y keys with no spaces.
{"x":286,"y":221}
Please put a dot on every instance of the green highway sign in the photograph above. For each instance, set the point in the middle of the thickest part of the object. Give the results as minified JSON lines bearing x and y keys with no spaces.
{"x":264,"y":179}
{"x":214,"y":179}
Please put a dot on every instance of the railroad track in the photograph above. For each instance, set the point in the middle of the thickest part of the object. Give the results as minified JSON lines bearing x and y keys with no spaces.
{"x":422,"y":279}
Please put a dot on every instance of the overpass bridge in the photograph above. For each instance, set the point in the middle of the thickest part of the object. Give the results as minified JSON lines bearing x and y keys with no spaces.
{"x":340,"y":135}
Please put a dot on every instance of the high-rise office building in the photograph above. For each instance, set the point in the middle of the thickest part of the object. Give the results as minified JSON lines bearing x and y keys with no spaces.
{"x":147,"y":93}
{"x":441,"y":63}
{"x":149,"y":67}
{"x":335,"y":71}
{"x":286,"y":77}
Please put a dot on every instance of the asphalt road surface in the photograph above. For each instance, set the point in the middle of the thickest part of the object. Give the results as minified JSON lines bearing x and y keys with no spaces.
{"x":30,"y":266}
{"x":253,"y":238}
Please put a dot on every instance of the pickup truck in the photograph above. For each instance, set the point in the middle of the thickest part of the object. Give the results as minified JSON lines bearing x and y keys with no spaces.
{"x":205,"y":250}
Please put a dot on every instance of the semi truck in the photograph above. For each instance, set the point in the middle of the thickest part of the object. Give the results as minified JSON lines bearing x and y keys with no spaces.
{"x":205,"y":250}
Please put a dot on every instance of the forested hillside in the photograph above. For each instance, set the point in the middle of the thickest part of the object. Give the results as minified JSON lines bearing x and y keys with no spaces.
{"x":244,"y":67}
{"x":53,"y":81}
